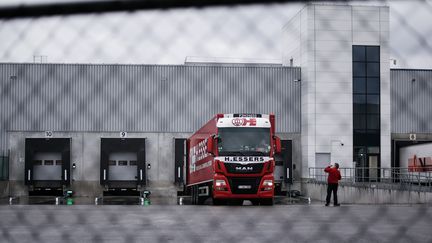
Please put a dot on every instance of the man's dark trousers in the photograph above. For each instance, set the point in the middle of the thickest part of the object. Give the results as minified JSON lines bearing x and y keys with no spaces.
{"x":332,"y":187}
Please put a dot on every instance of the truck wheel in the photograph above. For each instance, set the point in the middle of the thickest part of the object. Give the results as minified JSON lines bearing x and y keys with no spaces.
{"x":201,"y":200}
{"x":267,"y":202}
{"x":193,"y":195}
{"x":218,"y":202}
{"x":255,"y":202}
{"x":196,"y":196}
{"x":236,"y":202}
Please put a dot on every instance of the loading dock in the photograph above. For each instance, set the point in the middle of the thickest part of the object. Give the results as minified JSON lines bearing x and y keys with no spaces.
{"x":412,"y":157}
{"x":284,"y":167}
{"x":122,"y":165}
{"x":181,"y":166}
{"x":47,"y":165}
{"x":180,"y":156}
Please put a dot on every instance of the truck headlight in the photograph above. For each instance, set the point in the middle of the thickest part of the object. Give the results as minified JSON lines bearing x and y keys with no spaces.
{"x":220,"y":185}
{"x":267,"y":185}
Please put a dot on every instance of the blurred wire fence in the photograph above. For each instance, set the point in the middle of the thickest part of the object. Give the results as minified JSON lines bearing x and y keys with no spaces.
{"x":173,"y":32}
{"x":215,"y":224}
{"x":166,"y":32}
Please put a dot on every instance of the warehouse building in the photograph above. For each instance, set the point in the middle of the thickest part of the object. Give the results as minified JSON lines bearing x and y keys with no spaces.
{"x":94,"y":127}
{"x":90,"y":117}
{"x":343,"y":52}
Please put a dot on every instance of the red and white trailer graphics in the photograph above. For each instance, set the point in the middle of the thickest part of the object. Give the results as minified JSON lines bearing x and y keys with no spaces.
{"x":417,"y":157}
{"x":231,"y":158}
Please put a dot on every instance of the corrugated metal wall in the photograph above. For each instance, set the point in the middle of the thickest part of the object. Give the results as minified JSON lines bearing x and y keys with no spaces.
{"x":411,"y":101}
{"x":142,"y":98}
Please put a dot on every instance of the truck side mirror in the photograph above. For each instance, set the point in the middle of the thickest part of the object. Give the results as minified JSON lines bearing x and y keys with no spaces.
{"x":210,"y":145}
{"x":278,"y":146}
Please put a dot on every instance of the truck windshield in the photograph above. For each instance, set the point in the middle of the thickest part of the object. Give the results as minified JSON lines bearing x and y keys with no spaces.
{"x":243,"y":141}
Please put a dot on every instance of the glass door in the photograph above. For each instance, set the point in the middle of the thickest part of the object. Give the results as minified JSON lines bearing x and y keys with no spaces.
{"x":373,"y":167}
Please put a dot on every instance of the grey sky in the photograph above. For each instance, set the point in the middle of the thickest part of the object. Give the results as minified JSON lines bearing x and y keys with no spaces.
{"x":167,"y":37}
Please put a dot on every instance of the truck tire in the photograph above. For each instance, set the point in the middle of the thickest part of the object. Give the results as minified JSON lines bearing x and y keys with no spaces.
{"x":218,"y":202}
{"x":199,"y":199}
{"x":196,"y":195}
{"x":236,"y":202}
{"x":267,"y":202}
{"x":255,"y":202}
{"x":193,"y":195}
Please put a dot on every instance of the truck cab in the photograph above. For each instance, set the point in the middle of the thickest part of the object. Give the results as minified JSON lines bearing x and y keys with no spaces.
{"x":238,"y":161}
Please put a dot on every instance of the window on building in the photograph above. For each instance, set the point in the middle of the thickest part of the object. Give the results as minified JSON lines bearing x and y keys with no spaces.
{"x":366,"y":104}
{"x":122,"y":163}
{"x":359,"y":85}
{"x":373,"y":122}
{"x":37,"y":162}
{"x":359,"y":122}
{"x":359,"y":54}
{"x":359,"y":101}
{"x":49,"y":162}
{"x":373,"y":104}
{"x":133,"y":163}
{"x":372,"y":53}
{"x":372,"y":69}
{"x":373,"y":86}
{"x":359,"y":69}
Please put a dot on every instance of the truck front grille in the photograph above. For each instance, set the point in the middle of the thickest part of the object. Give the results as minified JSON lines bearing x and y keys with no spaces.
{"x":244,"y":185}
{"x":238,"y":168}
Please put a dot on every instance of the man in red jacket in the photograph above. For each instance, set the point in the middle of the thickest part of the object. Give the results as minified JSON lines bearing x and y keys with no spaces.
{"x":333,"y":180}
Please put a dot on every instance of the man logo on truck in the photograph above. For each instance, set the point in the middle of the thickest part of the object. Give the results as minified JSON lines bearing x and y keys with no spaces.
{"x":243,"y":122}
{"x":244,"y":168}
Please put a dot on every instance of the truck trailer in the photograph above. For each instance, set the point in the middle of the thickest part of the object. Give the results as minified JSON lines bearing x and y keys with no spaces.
{"x":231,"y":159}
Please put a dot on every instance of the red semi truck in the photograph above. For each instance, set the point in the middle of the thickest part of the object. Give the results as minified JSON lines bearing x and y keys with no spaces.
{"x":231,"y":159}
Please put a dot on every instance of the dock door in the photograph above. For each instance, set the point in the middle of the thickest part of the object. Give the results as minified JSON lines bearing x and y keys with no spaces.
{"x":122,"y":164}
{"x":180,"y":160}
{"x":47,"y":163}
{"x":283,"y":168}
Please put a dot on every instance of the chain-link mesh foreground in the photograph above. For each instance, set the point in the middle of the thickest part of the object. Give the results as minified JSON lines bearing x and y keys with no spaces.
{"x":313,"y":223}
{"x":52,"y":97}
